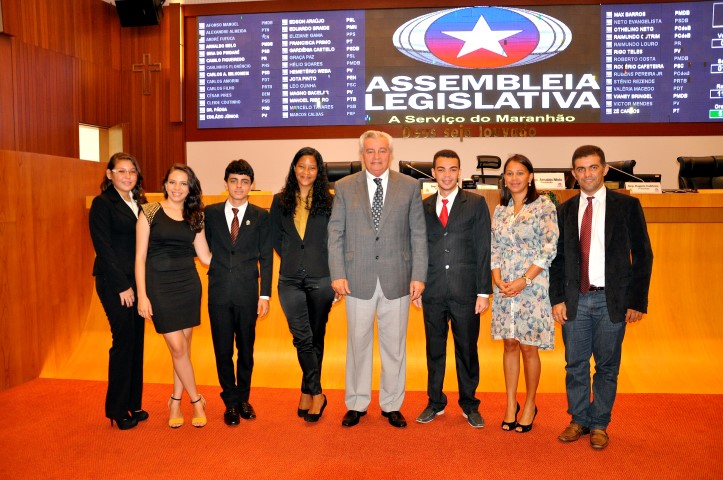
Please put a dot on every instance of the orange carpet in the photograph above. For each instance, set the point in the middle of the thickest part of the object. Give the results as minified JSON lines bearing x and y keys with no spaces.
{"x":56,"y":429}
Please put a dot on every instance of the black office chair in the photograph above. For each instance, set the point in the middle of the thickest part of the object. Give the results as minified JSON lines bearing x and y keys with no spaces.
{"x":700,"y":172}
{"x":624,"y":172}
{"x":489,"y":162}
{"x":338,"y":170}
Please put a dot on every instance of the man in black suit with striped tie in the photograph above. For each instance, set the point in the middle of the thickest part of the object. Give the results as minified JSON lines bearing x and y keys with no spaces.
{"x":238,"y":234}
{"x":459,"y":283}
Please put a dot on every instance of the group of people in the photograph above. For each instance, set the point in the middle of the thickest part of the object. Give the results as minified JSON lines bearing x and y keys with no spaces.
{"x":585,"y":265}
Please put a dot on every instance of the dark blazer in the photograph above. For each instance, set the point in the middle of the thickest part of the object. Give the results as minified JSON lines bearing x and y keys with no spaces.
{"x":233,"y":276}
{"x":113,"y":232}
{"x":464,"y":247}
{"x":312,"y":252}
{"x":627,"y":280}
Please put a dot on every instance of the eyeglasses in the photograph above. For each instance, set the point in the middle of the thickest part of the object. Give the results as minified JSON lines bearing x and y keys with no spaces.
{"x":123,"y":172}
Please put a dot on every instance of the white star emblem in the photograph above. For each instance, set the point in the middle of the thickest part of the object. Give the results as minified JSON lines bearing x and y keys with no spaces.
{"x":482,"y":36}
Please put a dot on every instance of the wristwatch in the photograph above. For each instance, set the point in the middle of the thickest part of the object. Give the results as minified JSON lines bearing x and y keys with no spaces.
{"x":528,"y":281}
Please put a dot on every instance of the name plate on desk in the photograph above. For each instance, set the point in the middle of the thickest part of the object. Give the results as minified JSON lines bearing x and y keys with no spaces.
{"x":643,"y":187}
{"x":429,"y":188}
{"x":550,"y":180}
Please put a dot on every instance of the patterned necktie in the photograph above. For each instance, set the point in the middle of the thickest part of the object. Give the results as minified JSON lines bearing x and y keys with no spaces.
{"x":444,"y":214}
{"x":585,"y":236}
{"x":377,"y":203}
{"x":234,"y":225}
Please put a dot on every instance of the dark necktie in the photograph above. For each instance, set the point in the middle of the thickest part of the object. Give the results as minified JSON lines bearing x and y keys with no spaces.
{"x":234,"y":225}
{"x":377,"y":203}
{"x":444,"y":214}
{"x":585,"y":236}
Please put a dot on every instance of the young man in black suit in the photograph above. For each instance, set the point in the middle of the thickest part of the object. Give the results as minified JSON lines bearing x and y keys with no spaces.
{"x":459,"y":283}
{"x":238,"y":236}
{"x":599,"y":283}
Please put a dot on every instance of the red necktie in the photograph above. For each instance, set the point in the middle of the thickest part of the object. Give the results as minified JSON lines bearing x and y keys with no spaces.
{"x":585,"y":236}
{"x":234,"y":225}
{"x":444,"y":214}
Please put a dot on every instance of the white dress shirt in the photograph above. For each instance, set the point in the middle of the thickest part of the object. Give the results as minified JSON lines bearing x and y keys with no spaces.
{"x":372,"y":187}
{"x":597,"y":237}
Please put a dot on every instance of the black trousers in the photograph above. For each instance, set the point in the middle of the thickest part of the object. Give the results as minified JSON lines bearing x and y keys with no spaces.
{"x":229,"y":323}
{"x":125,"y":357}
{"x":306,"y":302}
{"x":465,"y":332}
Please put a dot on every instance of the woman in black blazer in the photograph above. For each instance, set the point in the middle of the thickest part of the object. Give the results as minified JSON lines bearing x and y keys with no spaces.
{"x":299,"y":217}
{"x":113,"y":217}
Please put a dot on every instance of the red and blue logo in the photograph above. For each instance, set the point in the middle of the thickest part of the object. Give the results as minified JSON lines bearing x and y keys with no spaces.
{"x":482,"y":37}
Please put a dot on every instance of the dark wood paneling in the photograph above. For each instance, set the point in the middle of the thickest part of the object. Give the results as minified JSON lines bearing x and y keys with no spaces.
{"x":7,"y":103}
{"x":45,"y":260}
{"x":46,"y":100}
{"x":153,"y":138}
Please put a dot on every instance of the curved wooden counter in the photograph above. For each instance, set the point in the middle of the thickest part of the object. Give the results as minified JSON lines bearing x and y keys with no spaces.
{"x":674,"y":349}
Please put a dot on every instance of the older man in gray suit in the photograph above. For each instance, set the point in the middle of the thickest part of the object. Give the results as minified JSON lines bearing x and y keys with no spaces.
{"x":378,"y":259}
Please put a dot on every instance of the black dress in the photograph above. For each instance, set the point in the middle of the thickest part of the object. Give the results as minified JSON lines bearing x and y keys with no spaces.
{"x":172,"y":282}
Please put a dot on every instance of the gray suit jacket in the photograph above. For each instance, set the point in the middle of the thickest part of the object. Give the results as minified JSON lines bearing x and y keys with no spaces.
{"x":396,"y":254}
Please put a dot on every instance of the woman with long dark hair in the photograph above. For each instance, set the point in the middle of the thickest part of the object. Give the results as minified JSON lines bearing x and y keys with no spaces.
{"x":299,"y":218}
{"x":524,"y":243}
{"x":169,"y":235}
{"x":112,"y":222}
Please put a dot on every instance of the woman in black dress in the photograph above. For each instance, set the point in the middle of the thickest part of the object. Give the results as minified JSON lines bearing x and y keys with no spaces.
{"x":112,"y":222}
{"x":168,"y":237}
{"x":299,"y":218}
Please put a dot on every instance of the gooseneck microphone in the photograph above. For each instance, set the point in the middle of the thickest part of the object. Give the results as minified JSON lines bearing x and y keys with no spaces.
{"x":626,"y":173}
{"x":419,"y":171}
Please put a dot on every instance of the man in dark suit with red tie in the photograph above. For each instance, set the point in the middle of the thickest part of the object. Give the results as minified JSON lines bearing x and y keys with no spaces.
{"x":599,"y":283}
{"x":238,"y":234}
{"x":459,"y":283}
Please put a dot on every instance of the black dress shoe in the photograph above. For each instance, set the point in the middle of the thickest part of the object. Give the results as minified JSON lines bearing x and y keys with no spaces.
{"x":231,"y":416}
{"x":139,"y":415}
{"x":124,"y":423}
{"x":352,"y":417}
{"x":396,"y":419}
{"x":314,"y":417}
{"x":246,"y":411}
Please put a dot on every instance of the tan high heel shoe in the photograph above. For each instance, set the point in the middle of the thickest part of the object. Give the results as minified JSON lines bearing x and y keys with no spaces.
{"x":174,"y":422}
{"x":199,"y":422}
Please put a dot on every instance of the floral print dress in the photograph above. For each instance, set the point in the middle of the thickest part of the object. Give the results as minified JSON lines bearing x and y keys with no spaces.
{"x":517,"y":242}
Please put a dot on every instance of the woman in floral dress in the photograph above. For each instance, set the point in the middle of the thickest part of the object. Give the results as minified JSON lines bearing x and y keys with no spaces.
{"x":524,"y":243}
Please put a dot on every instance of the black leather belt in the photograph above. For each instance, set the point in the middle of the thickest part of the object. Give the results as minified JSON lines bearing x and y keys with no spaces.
{"x":593,"y":288}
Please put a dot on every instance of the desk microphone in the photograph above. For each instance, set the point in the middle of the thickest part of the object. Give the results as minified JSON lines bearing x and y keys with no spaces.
{"x":626,"y":173}
{"x":419,"y":171}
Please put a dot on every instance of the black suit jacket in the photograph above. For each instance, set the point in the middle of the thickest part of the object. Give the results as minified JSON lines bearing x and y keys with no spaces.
{"x":113,"y":232}
{"x":459,"y":255}
{"x":233,"y":276}
{"x":312,"y":252}
{"x":628,"y":257}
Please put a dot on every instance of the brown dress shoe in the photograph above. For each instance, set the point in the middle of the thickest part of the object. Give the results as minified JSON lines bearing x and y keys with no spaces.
{"x":598,"y":438}
{"x":573,"y":432}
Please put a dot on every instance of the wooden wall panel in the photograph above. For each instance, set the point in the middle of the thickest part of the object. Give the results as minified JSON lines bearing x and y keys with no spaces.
{"x":45,"y":260}
{"x":7,"y":107}
{"x":153,"y":138}
{"x":46,"y":99}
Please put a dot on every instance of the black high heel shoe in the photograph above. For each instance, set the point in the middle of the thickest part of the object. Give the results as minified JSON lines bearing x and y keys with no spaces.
{"x":139,"y":415}
{"x":124,"y":423}
{"x":511,"y":425}
{"x":314,"y":417}
{"x":526,"y":428}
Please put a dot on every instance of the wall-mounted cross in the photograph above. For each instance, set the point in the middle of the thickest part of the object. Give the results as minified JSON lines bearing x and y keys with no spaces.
{"x":147,"y":68}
